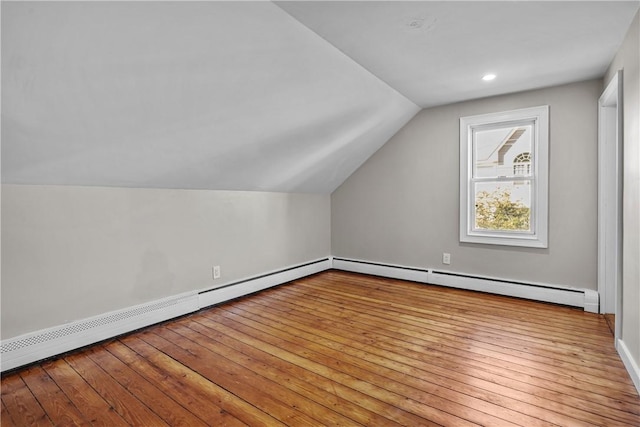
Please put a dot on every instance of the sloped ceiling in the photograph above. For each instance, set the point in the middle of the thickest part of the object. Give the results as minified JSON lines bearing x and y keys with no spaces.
{"x":435,"y":52}
{"x":195,"y":95}
{"x":286,"y":97}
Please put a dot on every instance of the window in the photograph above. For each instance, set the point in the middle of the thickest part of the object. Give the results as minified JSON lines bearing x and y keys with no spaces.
{"x":504,"y":178}
{"x":522,"y":164}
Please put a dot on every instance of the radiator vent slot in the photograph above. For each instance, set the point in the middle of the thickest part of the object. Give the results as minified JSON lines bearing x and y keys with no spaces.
{"x":39,"y":345}
{"x":87,"y":325}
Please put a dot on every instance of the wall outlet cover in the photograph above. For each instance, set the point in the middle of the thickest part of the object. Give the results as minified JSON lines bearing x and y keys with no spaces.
{"x":446,"y":258}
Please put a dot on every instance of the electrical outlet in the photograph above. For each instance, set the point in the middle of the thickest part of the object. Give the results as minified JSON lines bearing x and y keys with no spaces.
{"x":446,"y":258}
{"x":216,"y":272}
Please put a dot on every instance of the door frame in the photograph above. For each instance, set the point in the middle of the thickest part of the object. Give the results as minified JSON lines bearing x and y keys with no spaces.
{"x":610,"y":200}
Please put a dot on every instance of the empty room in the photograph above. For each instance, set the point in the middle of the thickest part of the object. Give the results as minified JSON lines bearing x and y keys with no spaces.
{"x":320,"y":213}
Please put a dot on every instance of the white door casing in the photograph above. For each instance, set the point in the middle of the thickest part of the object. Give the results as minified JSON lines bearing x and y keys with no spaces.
{"x":610,"y":199}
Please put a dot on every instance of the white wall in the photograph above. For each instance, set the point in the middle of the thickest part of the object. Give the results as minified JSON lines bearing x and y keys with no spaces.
{"x":628,"y":59}
{"x":73,"y":252}
{"x":401,"y":206}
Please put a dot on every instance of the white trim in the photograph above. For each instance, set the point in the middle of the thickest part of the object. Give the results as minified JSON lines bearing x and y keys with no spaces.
{"x":591,"y":301}
{"x":248,"y":286}
{"x":576,"y":297}
{"x":609,"y":198}
{"x":39,"y":345}
{"x":538,"y":237}
{"x":49,"y":342}
{"x":629,"y":363}
{"x":531,"y":291}
{"x":384,"y":270}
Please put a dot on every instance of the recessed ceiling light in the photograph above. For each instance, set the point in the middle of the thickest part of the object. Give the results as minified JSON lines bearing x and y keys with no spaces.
{"x":488,"y":77}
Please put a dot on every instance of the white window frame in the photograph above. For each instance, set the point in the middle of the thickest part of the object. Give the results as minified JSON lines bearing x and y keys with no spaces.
{"x":538,"y":236}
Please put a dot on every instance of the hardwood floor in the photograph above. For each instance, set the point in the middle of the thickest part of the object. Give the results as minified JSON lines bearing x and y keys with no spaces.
{"x":341,"y":349}
{"x":611,"y":322}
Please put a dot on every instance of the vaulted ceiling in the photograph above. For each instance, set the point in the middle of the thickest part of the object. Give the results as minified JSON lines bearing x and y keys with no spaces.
{"x":290,"y":97}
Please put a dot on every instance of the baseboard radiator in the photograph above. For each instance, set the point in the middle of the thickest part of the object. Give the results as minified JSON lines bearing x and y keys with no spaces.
{"x":576,"y":297}
{"x":257,"y":283}
{"x":39,"y":345}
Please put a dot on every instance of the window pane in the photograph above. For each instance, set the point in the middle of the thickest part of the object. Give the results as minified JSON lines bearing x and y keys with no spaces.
{"x":502,"y":206}
{"x":502,"y":151}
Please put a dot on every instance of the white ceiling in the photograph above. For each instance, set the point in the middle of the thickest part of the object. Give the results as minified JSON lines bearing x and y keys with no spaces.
{"x":242,"y":96}
{"x":436,"y":52}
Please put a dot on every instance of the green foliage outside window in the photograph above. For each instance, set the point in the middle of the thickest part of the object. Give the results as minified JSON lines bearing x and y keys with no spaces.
{"x":496,"y":211}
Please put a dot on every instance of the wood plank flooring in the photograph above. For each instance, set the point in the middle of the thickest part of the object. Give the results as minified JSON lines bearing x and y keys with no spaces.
{"x":341,"y":349}
{"x":611,"y":322}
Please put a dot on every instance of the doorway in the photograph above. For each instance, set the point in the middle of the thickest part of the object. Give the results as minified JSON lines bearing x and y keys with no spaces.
{"x":610,"y":202}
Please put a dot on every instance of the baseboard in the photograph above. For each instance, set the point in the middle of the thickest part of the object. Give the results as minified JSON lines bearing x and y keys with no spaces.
{"x":49,"y":342}
{"x":254,"y":284}
{"x":629,"y":363}
{"x":29,"y":348}
{"x":392,"y":271}
{"x":39,"y":345}
{"x":584,"y":298}
{"x":536,"y":292}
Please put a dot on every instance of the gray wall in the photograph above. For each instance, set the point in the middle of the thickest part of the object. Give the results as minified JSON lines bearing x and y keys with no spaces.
{"x":401,"y":206}
{"x":628,"y":59}
{"x":73,"y":252}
